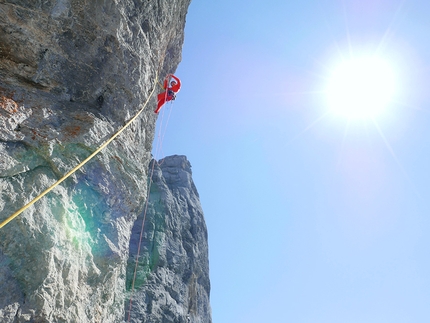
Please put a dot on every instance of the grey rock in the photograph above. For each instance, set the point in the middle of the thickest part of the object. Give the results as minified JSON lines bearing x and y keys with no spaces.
{"x":72,"y":72}
{"x":172,"y":281}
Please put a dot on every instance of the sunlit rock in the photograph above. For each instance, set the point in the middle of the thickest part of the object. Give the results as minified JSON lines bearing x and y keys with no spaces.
{"x":72,"y":72}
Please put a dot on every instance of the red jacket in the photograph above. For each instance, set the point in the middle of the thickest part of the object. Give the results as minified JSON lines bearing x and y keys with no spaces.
{"x":170,"y":92}
{"x":175,"y":88}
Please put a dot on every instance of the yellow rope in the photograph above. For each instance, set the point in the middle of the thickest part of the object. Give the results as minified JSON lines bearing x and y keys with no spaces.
{"x":13,"y":216}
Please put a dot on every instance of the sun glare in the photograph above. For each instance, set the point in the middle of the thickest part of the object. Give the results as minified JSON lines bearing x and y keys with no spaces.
{"x":360,"y":87}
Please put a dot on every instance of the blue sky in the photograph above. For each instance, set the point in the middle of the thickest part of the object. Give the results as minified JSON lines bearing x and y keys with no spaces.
{"x":311,"y":217}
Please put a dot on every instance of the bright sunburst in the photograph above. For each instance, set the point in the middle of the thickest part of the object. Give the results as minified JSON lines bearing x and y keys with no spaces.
{"x":360,"y":87}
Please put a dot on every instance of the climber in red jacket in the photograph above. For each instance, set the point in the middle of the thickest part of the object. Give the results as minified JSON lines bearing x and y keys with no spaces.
{"x":170,"y":93}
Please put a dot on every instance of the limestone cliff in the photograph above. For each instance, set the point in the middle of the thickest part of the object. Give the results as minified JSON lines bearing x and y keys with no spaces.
{"x":72,"y":72}
{"x":173,"y":271}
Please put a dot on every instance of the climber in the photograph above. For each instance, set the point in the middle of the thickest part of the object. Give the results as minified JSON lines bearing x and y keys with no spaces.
{"x":170,"y":93}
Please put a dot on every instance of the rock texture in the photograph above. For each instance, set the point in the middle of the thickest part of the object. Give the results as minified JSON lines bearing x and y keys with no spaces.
{"x":172,"y":282}
{"x":72,"y":72}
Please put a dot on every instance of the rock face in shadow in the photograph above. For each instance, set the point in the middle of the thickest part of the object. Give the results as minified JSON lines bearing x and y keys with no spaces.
{"x":72,"y":72}
{"x":171,"y":281}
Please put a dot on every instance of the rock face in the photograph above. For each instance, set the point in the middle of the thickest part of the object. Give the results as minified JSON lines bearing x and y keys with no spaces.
{"x":172,"y":281}
{"x":72,"y":72}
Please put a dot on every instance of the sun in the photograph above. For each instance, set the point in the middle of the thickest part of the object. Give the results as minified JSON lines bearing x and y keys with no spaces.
{"x":360,"y":87}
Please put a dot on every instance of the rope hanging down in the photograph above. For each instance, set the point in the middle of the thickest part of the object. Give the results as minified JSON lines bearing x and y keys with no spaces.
{"x":158,"y":147}
{"x":13,"y":216}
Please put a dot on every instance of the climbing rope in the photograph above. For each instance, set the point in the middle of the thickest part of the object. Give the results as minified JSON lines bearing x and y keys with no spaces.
{"x":140,"y":241}
{"x":161,"y":86}
{"x":162,"y":133}
{"x":158,"y":147}
{"x":13,"y":216}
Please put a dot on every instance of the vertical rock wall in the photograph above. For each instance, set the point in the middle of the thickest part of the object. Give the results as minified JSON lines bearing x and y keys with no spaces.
{"x":71,"y":73}
{"x":172,"y":279}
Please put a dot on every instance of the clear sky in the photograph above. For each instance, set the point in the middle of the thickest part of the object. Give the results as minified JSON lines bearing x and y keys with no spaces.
{"x":313,"y":216}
